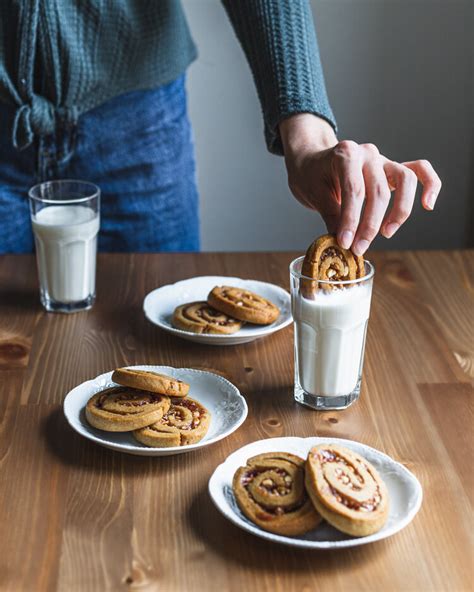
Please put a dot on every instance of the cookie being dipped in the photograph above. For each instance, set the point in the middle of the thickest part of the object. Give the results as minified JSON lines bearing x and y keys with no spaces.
{"x":326,"y":260}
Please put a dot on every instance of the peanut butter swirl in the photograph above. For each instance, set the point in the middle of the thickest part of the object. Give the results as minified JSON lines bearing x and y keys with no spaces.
{"x":199,"y":317}
{"x":243,"y":305}
{"x":326,"y":260}
{"x":270,"y":492}
{"x":346,"y":489}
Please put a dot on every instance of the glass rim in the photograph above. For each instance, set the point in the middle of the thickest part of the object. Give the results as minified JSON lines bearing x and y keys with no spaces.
{"x":298,"y":275}
{"x":94,"y":192}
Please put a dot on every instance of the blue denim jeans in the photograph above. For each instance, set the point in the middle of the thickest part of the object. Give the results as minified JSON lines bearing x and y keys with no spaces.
{"x":137,"y":148}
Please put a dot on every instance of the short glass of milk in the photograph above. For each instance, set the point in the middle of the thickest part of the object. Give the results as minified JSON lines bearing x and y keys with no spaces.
{"x":65,"y":215}
{"x":330,"y":320}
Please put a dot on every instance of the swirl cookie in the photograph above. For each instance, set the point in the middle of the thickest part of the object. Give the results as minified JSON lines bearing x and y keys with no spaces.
{"x":199,"y":317}
{"x":154,"y":382}
{"x":121,"y":409}
{"x":346,"y":490}
{"x":186,"y":422}
{"x":243,"y":305}
{"x":270,"y":492}
{"x":326,"y":260}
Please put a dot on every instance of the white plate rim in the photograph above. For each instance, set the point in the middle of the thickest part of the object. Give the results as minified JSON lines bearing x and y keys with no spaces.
{"x":256,"y":331}
{"x":150,"y":451}
{"x":305,"y":544}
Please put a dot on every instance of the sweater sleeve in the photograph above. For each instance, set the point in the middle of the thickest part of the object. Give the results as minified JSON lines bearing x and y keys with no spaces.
{"x":279,"y":40}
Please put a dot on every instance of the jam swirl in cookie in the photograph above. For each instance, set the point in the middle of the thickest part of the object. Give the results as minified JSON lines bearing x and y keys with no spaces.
{"x":270,"y":492}
{"x":185,"y":422}
{"x":346,"y":489}
{"x":124,"y":409}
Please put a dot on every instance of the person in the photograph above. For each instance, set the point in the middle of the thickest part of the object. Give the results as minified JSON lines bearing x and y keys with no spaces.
{"x":96,"y":91}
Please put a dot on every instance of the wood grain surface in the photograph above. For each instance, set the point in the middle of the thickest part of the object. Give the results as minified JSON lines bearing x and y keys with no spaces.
{"x":78,"y":517}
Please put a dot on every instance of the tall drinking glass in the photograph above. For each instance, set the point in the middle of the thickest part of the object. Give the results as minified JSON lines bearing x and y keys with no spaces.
{"x":331,"y":320}
{"x":66,"y":216}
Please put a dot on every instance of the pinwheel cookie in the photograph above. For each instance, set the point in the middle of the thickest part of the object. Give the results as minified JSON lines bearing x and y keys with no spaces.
{"x":199,"y":317}
{"x":150,"y":381}
{"x":270,"y":491}
{"x":346,"y":490}
{"x":122,"y":409}
{"x":186,"y":422}
{"x":326,"y":260}
{"x":243,"y":305}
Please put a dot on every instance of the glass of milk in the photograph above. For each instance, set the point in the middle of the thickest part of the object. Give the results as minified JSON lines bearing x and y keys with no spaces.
{"x":65,"y":216}
{"x":330,"y":330}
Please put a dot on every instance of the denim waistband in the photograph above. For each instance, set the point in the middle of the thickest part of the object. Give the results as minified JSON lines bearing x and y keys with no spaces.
{"x":55,"y":147}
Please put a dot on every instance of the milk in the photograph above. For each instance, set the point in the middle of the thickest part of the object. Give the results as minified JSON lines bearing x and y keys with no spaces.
{"x":330,"y":339}
{"x":66,"y":246}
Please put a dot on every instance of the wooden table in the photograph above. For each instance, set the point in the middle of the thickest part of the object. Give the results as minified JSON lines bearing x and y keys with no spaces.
{"x":78,"y":517}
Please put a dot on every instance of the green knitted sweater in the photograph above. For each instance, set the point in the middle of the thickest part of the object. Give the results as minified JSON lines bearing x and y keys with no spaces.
{"x":60,"y":58}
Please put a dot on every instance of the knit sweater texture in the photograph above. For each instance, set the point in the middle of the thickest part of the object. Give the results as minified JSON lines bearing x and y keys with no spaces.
{"x":60,"y":58}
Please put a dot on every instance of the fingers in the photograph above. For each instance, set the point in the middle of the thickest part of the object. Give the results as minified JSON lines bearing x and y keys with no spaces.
{"x":429,"y":179}
{"x":348,"y":165}
{"x":330,"y":210}
{"x":331,"y":221}
{"x":377,"y":200}
{"x":404,"y":181}
{"x":337,"y":180}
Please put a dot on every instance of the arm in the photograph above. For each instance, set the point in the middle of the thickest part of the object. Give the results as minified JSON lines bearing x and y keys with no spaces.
{"x":279,"y":41}
{"x":350,"y":185}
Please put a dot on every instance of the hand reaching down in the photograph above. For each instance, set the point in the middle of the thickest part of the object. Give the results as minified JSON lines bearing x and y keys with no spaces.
{"x":351,"y":184}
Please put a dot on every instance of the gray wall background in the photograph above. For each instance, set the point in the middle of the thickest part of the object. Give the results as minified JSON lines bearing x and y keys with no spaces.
{"x":399,"y":74}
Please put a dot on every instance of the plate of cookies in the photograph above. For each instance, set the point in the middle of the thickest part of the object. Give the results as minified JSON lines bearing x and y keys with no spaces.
{"x":219,"y":310}
{"x":155,"y":410}
{"x":315,"y":493}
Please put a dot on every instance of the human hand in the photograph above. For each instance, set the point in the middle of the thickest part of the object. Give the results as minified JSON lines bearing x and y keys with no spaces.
{"x":350,"y":184}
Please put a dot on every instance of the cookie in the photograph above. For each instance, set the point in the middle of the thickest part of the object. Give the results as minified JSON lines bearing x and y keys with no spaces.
{"x":243,"y":305}
{"x":122,"y":409}
{"x":346,"y":490}
{"x":148,"y":380}
{"x":199,"y":317}
{"x":270,"y":491}
{"x":326,"y":260}
{"x":186,"y":422}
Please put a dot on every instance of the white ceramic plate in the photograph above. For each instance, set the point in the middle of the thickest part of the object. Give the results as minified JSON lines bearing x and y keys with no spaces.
{"x":404,"y":490}
{"x":227,"y":406}
{"x":159,"y":306}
